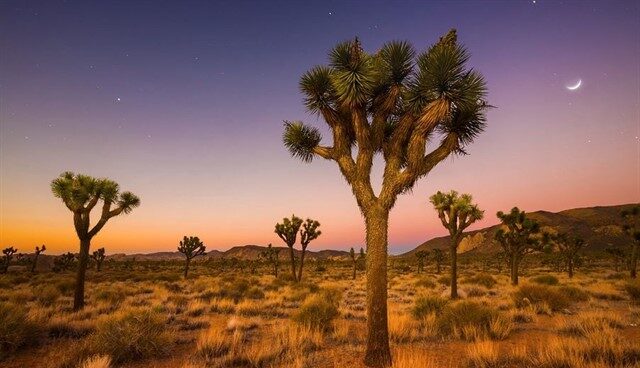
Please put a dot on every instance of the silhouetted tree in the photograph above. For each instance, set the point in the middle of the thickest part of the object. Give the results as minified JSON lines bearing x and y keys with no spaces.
{"x":98,"y":256}
{"x":354,"y":261}
{"x":618,"y":256}
{"x":391,"y":103}
{"x":421,"y":255}
{"x":271,"y":256}
{"x":64,"y":262}
{"x":6,"y":258}
{"x":36,"y":255}
{"x":81,"y":193}
{"x":518,"y":237}
{"x":191,"y":247}
{"x":438,"y":257}
{"x":631,"y":226}
{"x":456,"y":212}
{"x":288,"y":232}
{"x":567,"y":248}
{"x":308,"y":233}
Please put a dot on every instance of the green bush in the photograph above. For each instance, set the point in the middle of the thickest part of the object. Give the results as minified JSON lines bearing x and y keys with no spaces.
{"x":318,"y":310}
{"x":483,"y":279}
{"x":538,"y":294}
{"x":465,"y":314}
{"x":16,"y":329}
{"x":428,"y":304}
{"x":632,"y":287}
{"x":545,"y":280}
{"x":131,"y":334}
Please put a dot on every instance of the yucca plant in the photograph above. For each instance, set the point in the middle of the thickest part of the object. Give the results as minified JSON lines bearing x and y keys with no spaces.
{"x":64,"y":262}
{"x":456,"y":212}
{"x":6,"y":258}
{"x":308,"y":233}
{"x":567,"y":248}
{"x":191,"y":247}
{"x":438,"y":258}
{"x":518,"y":236}
{"x":271,"y":256}
{"x":421,"y":255}
{"x":354,"y":262}
{"x":36,"y":255}
{"x":631,"y":226}
{"x":98,"y":256}
{"x":288,"y":232}
{"x":399,"y":105}
{"x":81,"y":193}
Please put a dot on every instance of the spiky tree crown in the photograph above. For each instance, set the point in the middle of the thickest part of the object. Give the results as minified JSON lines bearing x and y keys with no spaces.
{"x":352,"y":254}
{"x":40,"y":249}
{"x":422,"y":254}
{"x":395,"y":102}
{"x":456,"y":212}
{"x":288,"y":229}
{"x":191,"y":246}
{"x":631,"y":218}
{"x":9,"y":252}
{"x":99,"y":254}
{"x":518,"y":232}
{"x":309,"y":232}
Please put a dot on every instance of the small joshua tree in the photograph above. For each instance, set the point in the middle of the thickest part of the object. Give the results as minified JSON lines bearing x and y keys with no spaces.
{"x":456,"y":212}
{"x":288,"y":232}
{"x":81,"y":193}
{"x":63,"y":262}
{"x":308,"y":233}
{"x":191,"y":247}
{"x":6,"y":259}
{"x":518,"y":237}
{"x":36,"y":254}
{"x":271,"y":256}
{"x":98,"y":256}
{"x":567,"y":248}
{"x":632,"y":228}
{"x":421,"y":255}
{"x":438,"y":257}
{"x":354,"y":261}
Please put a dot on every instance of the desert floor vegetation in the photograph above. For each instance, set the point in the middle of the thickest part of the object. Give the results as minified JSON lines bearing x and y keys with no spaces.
{"x":146,"y":314}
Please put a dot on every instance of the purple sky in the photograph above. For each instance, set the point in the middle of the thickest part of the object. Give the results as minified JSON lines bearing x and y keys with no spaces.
{"x":182,"y":103}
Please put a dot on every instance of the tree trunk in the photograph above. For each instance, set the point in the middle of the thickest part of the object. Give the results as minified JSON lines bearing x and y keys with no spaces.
{"x":634,"y":260}
{"x":83,"y":260}
{"x":514,"y":270}
{"x":293,"y":263}
{"x":99,"y":265}
{"x":454,"y":268}
{"x":377,"y":353}
{"x":186,"y":267}
{"x":301,"y":263}
{"x":275,"y":269}
{"x":570,"y":268}
{"x":438,"y":267}
{"x":35,"y":262}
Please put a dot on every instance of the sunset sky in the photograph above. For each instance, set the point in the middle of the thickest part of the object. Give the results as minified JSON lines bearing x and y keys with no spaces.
{"x":183,"y":105}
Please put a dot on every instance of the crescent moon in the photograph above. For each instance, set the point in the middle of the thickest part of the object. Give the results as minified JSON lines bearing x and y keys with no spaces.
{"x":575,"y":86}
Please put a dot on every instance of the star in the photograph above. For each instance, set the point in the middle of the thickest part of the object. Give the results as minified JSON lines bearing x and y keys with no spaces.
{"x":118,"y":99}
{"x":330,"y":13}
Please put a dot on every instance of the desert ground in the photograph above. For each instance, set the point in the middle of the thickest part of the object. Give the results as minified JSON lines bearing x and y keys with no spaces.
{"x":237,"y":314}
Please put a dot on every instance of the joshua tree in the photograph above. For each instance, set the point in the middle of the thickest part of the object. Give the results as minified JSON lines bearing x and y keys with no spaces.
{"x":271,"y":256}
{"x":618,"y":256}
{"x":456,"y":212}
{"x":567,"y":247}
{"x":6,"y":259}
{"x":354,"y":261}
{"x":63,"y":262}
{"x":98,"y":256}
{"x":288,"y":232}
{"x":390,"y":103}
{"x":36,"y":254}
{"x":191,"y":247}
{"x":308,"y":233}
{"x":438,"y":257}
{"x":421,"y":255}
{"x":518,"y":237}
{"x":81,"y":193}
{"x":632,"y":228}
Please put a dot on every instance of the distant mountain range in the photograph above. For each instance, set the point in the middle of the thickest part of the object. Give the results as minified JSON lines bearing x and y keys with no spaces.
{"x":599,"y":226}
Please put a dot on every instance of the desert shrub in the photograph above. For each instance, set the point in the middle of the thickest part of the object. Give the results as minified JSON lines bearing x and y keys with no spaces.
{"x":428,"y":304}
{"x":318,"y":310}
{"x":632,"y":287}
{"x":528,"y":294}
{"x":47,"y":295}
{"x":444,"y":280}
{"x":545,"y":280}
{"x":131,"y":334}
{"x":465,"y":319}
{"x":255,"y":293}
{"x":426,"y":283}
{"x":474,"y":292}
{"x":574,"y":294}
{"x":483,"y":279}
{"x":17,"y":329}
{"x":111,"y":295}
{"x":65,"y":285}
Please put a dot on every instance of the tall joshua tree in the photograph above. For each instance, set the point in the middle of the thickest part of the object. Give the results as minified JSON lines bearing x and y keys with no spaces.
{"x":567,"y":247}
{"x":632,"y":228}
{"x":395,"y":104}
{"x":438,"y":257}
{"x":288,"y":232}
{"x":421,"y":255}
{"x":191,"y":247}
{"x":81,"y":193}
{"x":36,"y":255}
{"x":518,"y":237}
{"x":98,"y":256}
{"x":308,"y":233}
{"x":456,"y":212}
{"x":354,"y":261}
{"x":271,"y":256}
{"x":6,"y":258}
